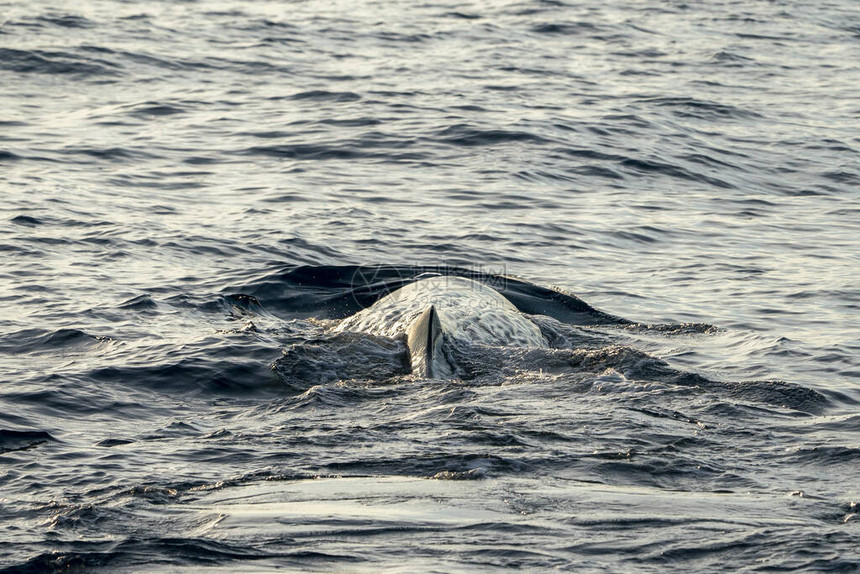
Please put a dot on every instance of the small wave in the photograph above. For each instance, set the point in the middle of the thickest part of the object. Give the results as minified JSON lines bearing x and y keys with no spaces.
{"x":110,"y":153}
{"x":350,"y":122}
{"x":463,"y":16}
{"x":470,"y":136}
{"x":160,"y":62}
{"x":342,"y":356}
{"x":431,"y":465}
{"x":700,"y":109}
{"x":829,"y":454}
{"x":54,"y":63}
{"x":67,"y":21}
{"x":653,"y":166}
{"x":326,"y":96}
{"x":26,"y":220}
{"x":112,"y":442}
{"x":175,"y":429}
{"x":133,"y":553}
{"x":567,"y":29}
{"x":308,"y":151}
{"x":373,"y":144}
{"x":219,"y":373}
{"x":13,"y":440}
{"x":775,"y":393}
{"x":139,"y":303}
{"x":843,"y":176}
{"x":389,"y":36}
{"x":39,"y":340}
{"x":728,"y":58}
{"x":148,"y":109}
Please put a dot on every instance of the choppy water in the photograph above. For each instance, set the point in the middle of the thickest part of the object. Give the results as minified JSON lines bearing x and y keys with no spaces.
{"x":193,"y":194}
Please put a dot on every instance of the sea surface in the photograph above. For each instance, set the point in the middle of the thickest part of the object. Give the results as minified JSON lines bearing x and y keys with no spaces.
{"x":195,"y":193}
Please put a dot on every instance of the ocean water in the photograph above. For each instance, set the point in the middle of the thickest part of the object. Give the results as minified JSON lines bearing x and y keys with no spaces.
{"x":196,"y":193}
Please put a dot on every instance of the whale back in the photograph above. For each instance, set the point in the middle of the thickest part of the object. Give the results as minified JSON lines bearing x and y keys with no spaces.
{"x":466,"y":311}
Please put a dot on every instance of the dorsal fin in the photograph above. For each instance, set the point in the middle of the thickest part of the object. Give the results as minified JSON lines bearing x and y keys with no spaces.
{"x":424,"y":339}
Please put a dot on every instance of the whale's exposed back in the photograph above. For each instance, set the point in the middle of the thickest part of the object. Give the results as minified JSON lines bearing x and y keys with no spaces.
{"x":445,"y":310}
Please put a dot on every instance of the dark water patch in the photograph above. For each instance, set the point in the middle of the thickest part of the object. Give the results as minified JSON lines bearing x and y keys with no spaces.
{"x":463,"y":16}
{"x":96,"y":49}
{"x":237,"y":14}
{"x":14,"y":440}
{"x":112,"y":442}
{"x":729,"y":58}
{"x":147,"y":110}
{"x":379,"y":140}
{"x":175,"y":429}
{"x":308,"y":152}
{"x":174,"y":64}
{"x":66,"y":21}
{"x":700,"y":109}
{"x":639,"y":366}
{"x":201,"y":160}
{"x":639,"y":72}
{"x":371,"y":145}
{"x":829,"y":455}
{"x":166,"y":493}
{"x":326,"y":96}
{"x":42,"y":341}
{"x":430,"y":465}
{"x":846,"y":177}
{"x":776,"y":393}
{"x":350,"y":394}
{"x":748,"y":36}
{"x":710,"y":161}
{"x":111,"y":153}
{"x":268,"y":134}
{"x":398,"y":37}
{"x":565,"y":28}
{"x":351,"y":122}
{"x":657,"y":167}
{"x":207,"y":246}
{"x":540,"y":175}
{"x":68,"y":397}
{"x":241,"y":66}
{"x":633,"y":237}
{"x":342,"y":356}
{"x":644,"y":55}
{"x":242,"y":372}
{"x":267,"y":23}
{"x":8,"y":156}
{"x":135,"y":552}
{"x":591,"y":154}
{"x":324,"y":397}
{"x":596,"y":171}
{"x":54,"y":63}
{"x":663,"y":413}
{"x":26,"y":220}
{"x":466,"y":135}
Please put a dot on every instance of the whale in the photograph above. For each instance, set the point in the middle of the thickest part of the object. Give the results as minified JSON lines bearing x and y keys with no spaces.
{"x":438,"y":313}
